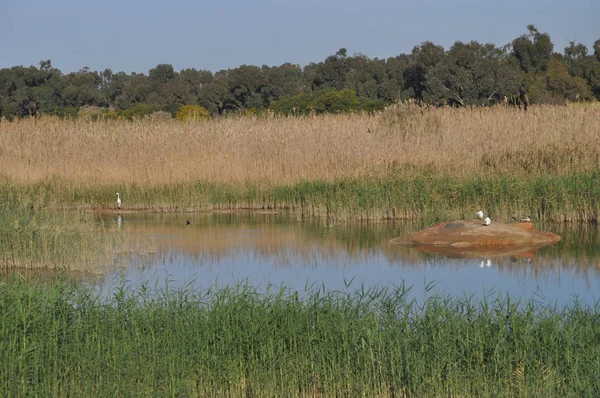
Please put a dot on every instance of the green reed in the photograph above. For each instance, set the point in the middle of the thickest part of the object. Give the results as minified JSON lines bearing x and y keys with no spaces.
{"x":428,"y":196}
{"x":33,"y":235}
{"x":62,"y":339}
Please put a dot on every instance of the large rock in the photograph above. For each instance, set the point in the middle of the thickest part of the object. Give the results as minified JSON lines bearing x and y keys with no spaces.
{"x":474,"y":239}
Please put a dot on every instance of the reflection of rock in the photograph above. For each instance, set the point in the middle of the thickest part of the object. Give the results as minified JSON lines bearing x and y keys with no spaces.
{"x":473,"y":239}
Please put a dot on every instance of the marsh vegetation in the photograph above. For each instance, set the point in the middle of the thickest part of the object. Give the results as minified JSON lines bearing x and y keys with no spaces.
{"x":405,"y":162}
{"x":60,"y":339}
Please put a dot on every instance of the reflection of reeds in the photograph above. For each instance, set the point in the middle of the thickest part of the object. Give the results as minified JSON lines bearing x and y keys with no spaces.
{"x":62,"y":340}
{"x":33,"y":238}
{"x":275,"y":239}
{"x":404,"y":162}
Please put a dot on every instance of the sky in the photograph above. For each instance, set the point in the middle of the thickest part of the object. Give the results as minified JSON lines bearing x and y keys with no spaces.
{"x":135,"y":35}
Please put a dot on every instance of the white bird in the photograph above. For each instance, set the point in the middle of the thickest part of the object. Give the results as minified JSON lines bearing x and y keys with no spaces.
{"x":487,"y":221}
{"x":118,"y":201}
{"x":480,"y":214}
{"x":526,"y":219}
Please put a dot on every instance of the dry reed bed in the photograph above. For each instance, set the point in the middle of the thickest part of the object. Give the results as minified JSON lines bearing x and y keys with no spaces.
{"x":284,"y":150}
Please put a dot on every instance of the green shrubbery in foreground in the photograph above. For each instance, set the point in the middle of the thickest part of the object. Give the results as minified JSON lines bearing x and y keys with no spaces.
{"x":59,"y":339}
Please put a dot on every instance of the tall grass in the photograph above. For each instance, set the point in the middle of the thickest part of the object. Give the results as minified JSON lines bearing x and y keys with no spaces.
{"x":62,"y":340}
{"x":33,"y":237}
{"x":432,"y":197}
{"x":403,"y":162}
{"x":285,"y":150}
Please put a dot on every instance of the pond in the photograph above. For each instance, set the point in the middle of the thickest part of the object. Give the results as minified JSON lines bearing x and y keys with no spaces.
{"x":268,"y":250}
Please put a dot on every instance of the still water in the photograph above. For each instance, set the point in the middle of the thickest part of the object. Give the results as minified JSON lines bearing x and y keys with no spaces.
{"x":225,"y":249}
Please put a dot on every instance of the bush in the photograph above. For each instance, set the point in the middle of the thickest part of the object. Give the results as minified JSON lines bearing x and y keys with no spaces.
{"x":91,"y":113}
{"x":159,"y":117}
{"x":327,"y":101}
{"x":140,"y":110}
{"x":188,"y":113}
{"x":66,"y":112}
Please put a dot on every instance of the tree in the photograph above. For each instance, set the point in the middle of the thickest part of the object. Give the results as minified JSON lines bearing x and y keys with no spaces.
{"x":283,"y":81}
{"x":423,"y":59}
{"x":557,"y":85}
{"x":215,"y":96}
{"x":162,"y":73}
{"x":533,"y":50}
{"x":113,"y":87}
{"x":195,"y":79}
{"x":245,"y":85}
{"x":136,"y":91}
{"x":464,"y":76}
{"x":82,"y":88}
{"x":331,"y":73}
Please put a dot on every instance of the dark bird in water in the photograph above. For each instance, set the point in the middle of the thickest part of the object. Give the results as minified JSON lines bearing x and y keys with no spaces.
{"x":187,"y":222}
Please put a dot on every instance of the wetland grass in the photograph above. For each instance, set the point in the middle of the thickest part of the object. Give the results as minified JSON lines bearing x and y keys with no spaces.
{"x":61,"y":339}
{"x":32,"y":236}
{"x":405,"y":162}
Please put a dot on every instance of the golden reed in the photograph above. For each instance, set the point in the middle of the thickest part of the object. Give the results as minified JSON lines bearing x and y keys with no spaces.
{"x":283,"y":150}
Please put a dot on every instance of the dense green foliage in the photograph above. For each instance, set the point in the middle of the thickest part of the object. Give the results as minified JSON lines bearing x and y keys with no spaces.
{"x":59,"y":339}
{"x":466,"y":74}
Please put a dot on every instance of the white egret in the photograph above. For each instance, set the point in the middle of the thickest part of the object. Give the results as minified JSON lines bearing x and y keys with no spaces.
{"x":118,"y":201}
{"x":480,"y":214}
{"x":526,"y":219}
{"x":487,"y":221}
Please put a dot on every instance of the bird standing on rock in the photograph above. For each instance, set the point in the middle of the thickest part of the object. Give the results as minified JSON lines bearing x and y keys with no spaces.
{"x":118,"y":201}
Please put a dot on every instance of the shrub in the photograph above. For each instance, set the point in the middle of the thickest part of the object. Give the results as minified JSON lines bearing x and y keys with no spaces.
{"x":91,"y":113}
{"x":159,"y":117}
{"x":188,"y":113}
{"x":139,"y":110}
{"x":65,"y":112}
{"x":326,"y":101}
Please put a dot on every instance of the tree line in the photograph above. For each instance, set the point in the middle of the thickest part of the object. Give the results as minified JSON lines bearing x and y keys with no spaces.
{"x":466,"y":74}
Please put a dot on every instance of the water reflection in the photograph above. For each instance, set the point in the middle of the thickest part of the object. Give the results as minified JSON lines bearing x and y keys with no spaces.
{"x":262,"y":249}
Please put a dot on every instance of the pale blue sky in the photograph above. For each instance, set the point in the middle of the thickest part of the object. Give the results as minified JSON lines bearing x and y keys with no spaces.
{"x":134,"y":35}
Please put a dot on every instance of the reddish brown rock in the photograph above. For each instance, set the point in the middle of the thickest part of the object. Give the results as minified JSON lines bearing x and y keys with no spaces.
{"x":474,"y":239}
